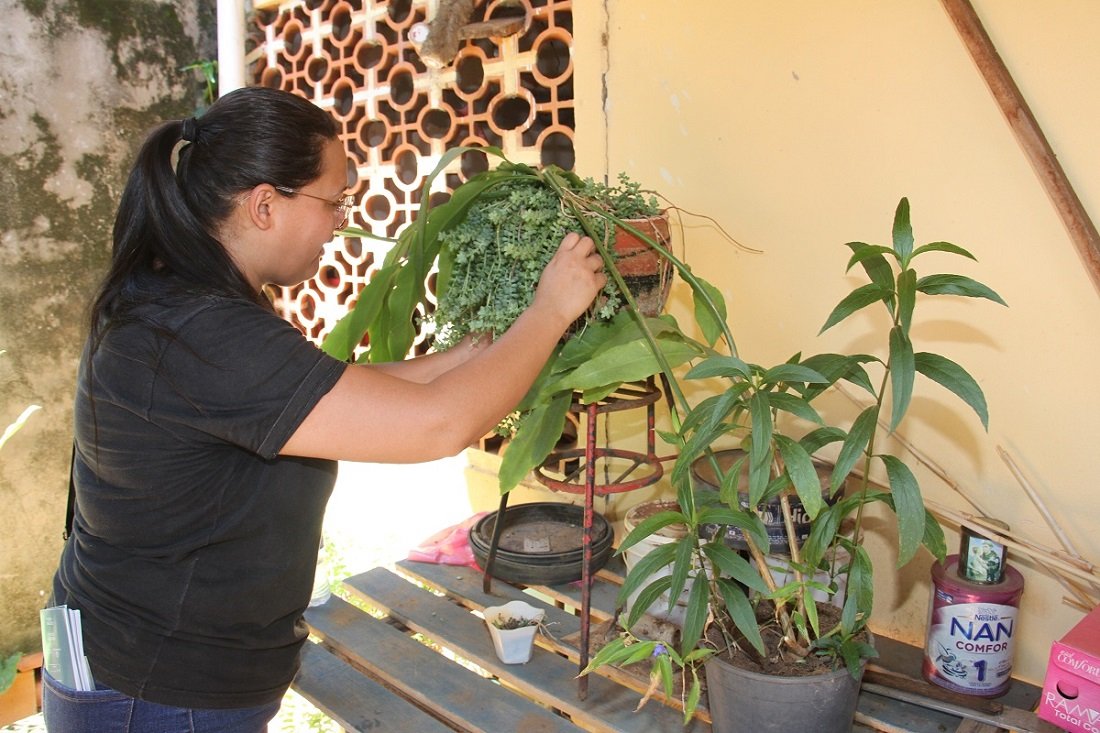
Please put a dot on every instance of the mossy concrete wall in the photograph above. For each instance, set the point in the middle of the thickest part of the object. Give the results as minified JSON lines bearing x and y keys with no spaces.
{"x":81,"y":82}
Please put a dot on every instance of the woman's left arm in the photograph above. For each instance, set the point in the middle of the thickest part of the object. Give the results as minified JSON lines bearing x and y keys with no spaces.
{"x":424,"y":369}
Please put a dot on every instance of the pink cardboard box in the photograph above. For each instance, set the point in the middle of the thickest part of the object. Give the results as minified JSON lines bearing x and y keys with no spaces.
{"x":1071,"y":693}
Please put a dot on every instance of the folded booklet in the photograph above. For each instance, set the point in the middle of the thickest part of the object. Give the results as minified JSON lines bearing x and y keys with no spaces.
{"x":63,"y":648}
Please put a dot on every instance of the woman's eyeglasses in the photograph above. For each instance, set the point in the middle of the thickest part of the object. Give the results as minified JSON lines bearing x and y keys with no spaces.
{"x":342,"y":205}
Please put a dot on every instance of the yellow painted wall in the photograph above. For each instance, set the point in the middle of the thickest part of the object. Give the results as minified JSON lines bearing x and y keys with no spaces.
{"x":798,"y":126}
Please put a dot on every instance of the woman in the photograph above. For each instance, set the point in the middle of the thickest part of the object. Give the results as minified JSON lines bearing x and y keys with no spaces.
{"x":207,"y":427}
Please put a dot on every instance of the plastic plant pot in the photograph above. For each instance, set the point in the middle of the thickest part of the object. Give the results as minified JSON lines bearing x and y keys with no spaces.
{"x":513,"y":645}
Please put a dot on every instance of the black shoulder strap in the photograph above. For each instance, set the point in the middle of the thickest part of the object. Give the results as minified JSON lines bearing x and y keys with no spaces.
{"x":70,"y":506}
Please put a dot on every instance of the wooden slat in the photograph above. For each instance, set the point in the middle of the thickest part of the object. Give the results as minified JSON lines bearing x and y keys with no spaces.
{"x":355,"y":702}
{"x":973,"y":726}
{"x":464,"y":586}
{"x":452,"y":692}
{"x":548,"y":678}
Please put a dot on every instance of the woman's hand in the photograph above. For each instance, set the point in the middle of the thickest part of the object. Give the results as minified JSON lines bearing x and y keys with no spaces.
{"x":571,"y":280}
{"x":437,"y":406}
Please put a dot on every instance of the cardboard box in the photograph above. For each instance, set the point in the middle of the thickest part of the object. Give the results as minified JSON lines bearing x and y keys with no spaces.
{"x":24,"y":698}
{"x":1071,"y":692}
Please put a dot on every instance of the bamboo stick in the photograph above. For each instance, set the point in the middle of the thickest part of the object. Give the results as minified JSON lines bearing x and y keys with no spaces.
{"x":1030,"y":136}
{"x":1051,"y":560}
{"x":1038,"y":502}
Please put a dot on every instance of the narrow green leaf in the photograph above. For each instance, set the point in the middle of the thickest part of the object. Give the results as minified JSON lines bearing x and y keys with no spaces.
{"x":741,"y":612}
{"x":933,"y":538}
{"x":656,"y":559}
{"x":646,"y":598}
{"x":625,"y":363}
{"x":345,"y":336}
{"x":734,"y":566}
{"x":695,"y":617}
{"x":907,"y":297}
{"x":709,"y":315}
{"x":534,"y":440}
{"x":611,"y":653}
{"x":957,"y":285}
{"x":942,"y":247}
{"x":719,"y":366}
{"x":649,"y":526}
{"x":800,"y":467}
{"x":854,"y":444}
{"x":908,"y":505}
{"x":663,"y":665}
{"x":902,"y":374}
{"x":856,"y":300}
{"x":796,"y":406}
{"x":694,"y":693}
{"x":682,"y":566}
{"x":762,"y":427}
{"x":794,"y":373}
{"x":948,"y":374}
{"x":903,"y":232}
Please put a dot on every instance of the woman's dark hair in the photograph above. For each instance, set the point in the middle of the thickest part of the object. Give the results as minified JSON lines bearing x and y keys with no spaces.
{"x":186,"y":180}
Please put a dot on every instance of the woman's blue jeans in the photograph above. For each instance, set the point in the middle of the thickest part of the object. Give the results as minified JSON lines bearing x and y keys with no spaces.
{"x":106,"y":711}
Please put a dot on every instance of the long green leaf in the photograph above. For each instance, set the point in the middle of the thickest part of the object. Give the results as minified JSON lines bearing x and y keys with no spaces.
{"x":902,"y":374}
{"x":741,"y":613}
{"x":946,"y":284}
{"x":649,"y":526}
{"x":856,"y":300}
{"x":646,"y":597}
{"x":795,"y":405}
{"x":681,"y":568}
{"x":907,"y":297}
{"x":656,"y":559}
{"x":903,"y":232}
{"x":942,"y":247}
{"x":719,"y":366}
{"x":908,"y":505}
{"x":734,"y":566}
{"x":346,"y":335}
{"x":710,"y":319}
{"x":947,"y":373}
{"x":695,"y":617}
{"x":800,"y":467}
{"x":625,"y":363}
{"x":534,"y":440}
{"x":858,"y":437}
{"x":860,"y":591}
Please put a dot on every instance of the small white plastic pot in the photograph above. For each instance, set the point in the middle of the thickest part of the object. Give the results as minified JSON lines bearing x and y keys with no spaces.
{"x":513,"y":646}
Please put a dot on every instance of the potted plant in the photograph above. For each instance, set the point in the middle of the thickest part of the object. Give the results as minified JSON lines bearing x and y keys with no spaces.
{"x":736,"y":610}
{"x":491,"y":240}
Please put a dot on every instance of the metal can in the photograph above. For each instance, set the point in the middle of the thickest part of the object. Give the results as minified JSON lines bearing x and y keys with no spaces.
{"x":971,"y":631}
{"x":981,"y":559}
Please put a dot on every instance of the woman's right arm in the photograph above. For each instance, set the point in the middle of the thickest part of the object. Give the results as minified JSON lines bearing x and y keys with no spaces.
{"x":372,"y":415}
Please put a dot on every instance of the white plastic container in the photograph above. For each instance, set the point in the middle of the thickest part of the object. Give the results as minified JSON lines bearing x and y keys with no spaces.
{"x":513,"y":646}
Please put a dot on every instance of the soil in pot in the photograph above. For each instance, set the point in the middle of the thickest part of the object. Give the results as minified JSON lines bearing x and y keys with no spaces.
{"x":778,"y":661}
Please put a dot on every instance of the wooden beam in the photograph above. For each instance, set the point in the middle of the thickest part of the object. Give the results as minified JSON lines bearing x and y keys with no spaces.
{"x":1030,"y":136}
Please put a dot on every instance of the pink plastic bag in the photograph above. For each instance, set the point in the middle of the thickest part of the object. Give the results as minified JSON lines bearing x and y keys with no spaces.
{"x":450,"y":546}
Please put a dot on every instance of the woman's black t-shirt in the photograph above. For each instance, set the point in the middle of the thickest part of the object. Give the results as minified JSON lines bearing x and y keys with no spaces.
{"x":194,"y":542}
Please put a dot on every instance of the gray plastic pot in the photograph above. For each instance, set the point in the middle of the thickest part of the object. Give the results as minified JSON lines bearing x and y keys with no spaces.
{"x":749,"y":702}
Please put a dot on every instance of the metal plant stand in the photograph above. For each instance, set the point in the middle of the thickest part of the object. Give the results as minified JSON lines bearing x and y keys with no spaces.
{"x":632,"y":470}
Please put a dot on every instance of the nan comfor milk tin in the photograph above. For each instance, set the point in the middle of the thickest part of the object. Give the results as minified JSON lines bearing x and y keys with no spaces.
{"x":971,"y":631}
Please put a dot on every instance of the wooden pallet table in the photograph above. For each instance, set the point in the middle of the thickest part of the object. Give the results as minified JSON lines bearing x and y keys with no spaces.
{"x":425,"y":663}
